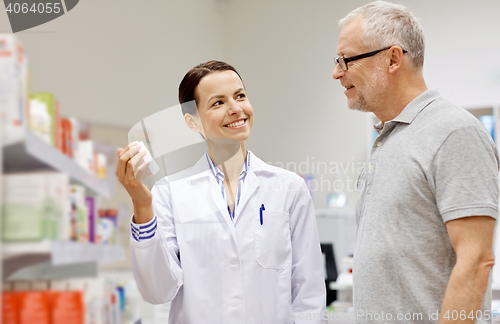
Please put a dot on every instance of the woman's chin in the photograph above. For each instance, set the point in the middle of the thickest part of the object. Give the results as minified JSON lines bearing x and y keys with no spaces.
{"x":233,"y":140}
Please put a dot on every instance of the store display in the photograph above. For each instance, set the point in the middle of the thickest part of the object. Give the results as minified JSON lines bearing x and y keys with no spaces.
{"x":14,"y":82}
{"x":337,"y":199}
{"x":101,"y":168}
{"x":489,"y":122}
{"x":93,"y":219}
{"x":75,"y":301}
{"x":52,"y":108}
{"x":33,"y":205}
{"x":108,"y":226}
{"x":40,"y":122}
{"x":42,"y":212}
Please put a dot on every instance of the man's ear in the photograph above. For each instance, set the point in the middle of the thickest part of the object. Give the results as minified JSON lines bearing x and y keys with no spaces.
{"x":193,"y":122}
{"x":396,"y":58}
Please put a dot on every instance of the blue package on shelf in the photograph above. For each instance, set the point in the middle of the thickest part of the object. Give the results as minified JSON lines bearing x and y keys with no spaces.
{"x":489,"y":122}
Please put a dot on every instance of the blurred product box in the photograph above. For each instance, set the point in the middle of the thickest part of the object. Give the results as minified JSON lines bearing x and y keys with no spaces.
{"x":14,"y":83}
{"x":40,"y":122}
{"x":75,"y":301}
{"x":489,"y":123}
{"x":101,"y":168}
{"x":35,"y":205}
{"x":67,"y":307}
{"x":43,"y":307}
{"x":86,"y":155}
{"x":108,"y":226}
{"x":79,"y":224}
{"x":93,"y":219}
{"x":48,"y":100}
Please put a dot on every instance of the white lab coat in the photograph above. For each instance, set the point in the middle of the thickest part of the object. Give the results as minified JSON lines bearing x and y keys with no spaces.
{"x":218,"y":271}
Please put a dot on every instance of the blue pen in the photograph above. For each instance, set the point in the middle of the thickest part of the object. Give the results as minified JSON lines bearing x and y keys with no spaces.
{"x":261,"y":218}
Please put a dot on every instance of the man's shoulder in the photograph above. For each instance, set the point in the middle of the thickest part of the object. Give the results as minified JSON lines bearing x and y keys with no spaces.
{"x":444,"y":116}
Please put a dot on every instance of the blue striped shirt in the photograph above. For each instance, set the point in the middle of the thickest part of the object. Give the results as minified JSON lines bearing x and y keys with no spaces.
{"x":143,"y":232}
{"x":219,"y":176}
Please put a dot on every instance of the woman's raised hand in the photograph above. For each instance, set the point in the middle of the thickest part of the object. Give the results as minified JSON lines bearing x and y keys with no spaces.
{"x":131,"y":167}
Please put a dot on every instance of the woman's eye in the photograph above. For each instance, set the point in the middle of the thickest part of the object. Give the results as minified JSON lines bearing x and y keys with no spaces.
{"x":241,"y":96}
{"x":217,"y":103}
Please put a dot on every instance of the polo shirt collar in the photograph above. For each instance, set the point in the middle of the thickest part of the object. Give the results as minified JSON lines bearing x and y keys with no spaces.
{"x":410,"y":112}
{"x":418,"y":104}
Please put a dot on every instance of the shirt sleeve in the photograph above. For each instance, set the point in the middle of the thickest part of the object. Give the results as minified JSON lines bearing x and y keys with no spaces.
{"x":143,"y":232}
{"x":464,"y":175}
{"x":308,"y":276}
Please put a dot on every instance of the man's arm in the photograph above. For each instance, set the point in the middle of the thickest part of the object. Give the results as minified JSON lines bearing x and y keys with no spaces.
{"x":472,"y":240}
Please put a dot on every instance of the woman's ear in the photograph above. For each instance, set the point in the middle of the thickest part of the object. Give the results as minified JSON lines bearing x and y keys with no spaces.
{"x":193,"y":122}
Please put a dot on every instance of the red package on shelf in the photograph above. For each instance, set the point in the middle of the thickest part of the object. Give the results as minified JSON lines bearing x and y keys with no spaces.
{"x":67,"y":307}
{"x":34,"y":307}
{"x":10,"y":308}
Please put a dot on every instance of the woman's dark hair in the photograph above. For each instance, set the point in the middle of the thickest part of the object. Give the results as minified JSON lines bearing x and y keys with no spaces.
{"x":191,"y":80}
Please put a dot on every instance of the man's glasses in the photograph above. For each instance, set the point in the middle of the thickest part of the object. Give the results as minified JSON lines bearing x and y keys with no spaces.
{"x":343,"y":61}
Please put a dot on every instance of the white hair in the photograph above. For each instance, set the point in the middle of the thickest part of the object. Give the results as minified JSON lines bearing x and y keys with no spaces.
{"x":385,"y":24}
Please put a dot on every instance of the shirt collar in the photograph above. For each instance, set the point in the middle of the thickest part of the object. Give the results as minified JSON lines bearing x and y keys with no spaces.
{"x":410,"y":112}
{"x":219,"y":175}
{"x":418,"y":104}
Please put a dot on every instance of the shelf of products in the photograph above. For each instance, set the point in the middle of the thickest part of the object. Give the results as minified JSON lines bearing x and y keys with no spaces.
{"x":343,"y":212}
{"x":64,"y":252}
{"x":54,"y":233}
{"x":32,"y":153}
{"x":19,"y":255}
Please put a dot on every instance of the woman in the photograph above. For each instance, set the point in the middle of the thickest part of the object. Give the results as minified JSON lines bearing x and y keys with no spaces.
{"x":231,"y":239}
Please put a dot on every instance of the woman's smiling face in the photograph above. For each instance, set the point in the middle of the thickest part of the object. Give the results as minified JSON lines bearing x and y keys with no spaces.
{"x":223,"y":107}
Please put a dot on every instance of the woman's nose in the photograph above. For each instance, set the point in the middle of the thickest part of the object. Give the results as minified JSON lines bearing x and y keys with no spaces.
{"x":234,"y":108}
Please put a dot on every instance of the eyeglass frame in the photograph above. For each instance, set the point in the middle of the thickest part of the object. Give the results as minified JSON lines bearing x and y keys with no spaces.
{"x":361,"y":56}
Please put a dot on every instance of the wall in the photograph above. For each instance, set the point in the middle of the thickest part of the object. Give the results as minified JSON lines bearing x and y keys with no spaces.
{"x":116,"y":62}
{"x":284,"y":50}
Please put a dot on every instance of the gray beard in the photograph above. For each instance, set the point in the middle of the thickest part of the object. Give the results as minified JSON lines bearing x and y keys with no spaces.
{"x":375,"y":88}
{"x":360,"y":105}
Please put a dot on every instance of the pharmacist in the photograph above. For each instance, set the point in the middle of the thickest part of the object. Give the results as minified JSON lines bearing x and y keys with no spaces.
{"x":232,"y":239}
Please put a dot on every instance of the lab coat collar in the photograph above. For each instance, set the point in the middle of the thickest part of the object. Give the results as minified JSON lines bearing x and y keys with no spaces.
{"x":202,"y":168}
{"x":256,"y":167}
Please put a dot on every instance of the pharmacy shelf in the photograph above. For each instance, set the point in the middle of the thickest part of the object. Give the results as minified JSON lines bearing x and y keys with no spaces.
{"x":335,"y":212}
{"x":344,"y":282}
{"x":60,"y":253}
{"x":33,"y":154}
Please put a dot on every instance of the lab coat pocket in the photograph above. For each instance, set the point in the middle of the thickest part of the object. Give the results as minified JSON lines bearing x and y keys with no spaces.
{"x":273,"y":246}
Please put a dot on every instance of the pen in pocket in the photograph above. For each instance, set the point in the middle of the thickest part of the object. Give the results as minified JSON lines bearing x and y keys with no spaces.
{"x":261,"y":216}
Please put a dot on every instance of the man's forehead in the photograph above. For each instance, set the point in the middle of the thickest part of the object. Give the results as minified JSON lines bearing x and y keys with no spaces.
{"x":350,"y":37}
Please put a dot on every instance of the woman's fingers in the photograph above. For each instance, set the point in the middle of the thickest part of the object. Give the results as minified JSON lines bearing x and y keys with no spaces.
{"x":124,"y":156}
{"x":141,"y":170}
{"x":131,"y":165}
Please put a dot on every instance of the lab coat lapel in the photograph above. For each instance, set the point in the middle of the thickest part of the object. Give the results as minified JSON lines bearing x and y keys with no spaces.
{"x":221,"y":205}
{"x":250,"y":185}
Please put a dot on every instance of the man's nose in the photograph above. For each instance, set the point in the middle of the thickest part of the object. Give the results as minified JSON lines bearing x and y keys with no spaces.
{"x":337,"y":72}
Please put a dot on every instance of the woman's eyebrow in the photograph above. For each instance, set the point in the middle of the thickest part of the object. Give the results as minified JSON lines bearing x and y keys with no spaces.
{"x":215,"y":97}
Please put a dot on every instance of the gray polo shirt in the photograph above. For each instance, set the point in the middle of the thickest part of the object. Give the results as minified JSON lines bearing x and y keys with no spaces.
{"x":433,"y":163}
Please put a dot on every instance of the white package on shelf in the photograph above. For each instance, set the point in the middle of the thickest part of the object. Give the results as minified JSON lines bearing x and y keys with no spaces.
{"x":33,"y":205}
{"x":13,"y":88}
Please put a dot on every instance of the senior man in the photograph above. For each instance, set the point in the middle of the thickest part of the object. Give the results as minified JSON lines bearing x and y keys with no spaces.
{"x":428,"y":194}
